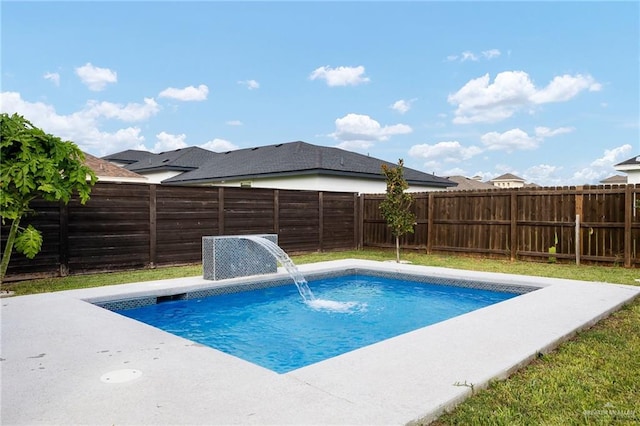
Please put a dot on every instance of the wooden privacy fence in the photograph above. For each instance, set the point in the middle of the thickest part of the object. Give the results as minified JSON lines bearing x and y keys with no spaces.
{"x":126,"y":226}
{"x":588,"y":223}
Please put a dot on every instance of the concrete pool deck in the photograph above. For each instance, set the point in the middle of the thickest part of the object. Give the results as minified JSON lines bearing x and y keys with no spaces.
{"x":66,"y":361}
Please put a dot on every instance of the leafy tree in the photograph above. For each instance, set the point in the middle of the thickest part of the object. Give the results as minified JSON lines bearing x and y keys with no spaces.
{"x":35,"y":165}
{"x":396,"y":207}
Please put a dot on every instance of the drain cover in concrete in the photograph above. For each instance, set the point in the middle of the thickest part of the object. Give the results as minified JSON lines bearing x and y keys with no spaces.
{"x":120,"y":376}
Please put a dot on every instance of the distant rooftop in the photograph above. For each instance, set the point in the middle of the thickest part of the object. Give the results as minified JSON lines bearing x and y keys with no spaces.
{"x":507,"y":176}
{"x":294,"y":159}
{"x":106,"y":170}
{"x":468,"y":184}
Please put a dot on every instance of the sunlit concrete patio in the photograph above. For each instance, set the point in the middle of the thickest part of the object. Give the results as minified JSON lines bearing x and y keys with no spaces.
{"x":67,"y":361}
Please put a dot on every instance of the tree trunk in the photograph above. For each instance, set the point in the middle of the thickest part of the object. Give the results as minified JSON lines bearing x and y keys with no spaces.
{"x":397,"y":249}
{"x":8,"y":248}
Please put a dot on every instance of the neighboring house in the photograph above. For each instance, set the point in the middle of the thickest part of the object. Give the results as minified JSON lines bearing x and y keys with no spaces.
{"x":468,"y":184}
{"x":108,"y":172}
{"x":160,"y":167}
{"x":508,"y":180}
{"x":632,"y":168}
{"x":614,"y":180}
{"x":293,"y":165}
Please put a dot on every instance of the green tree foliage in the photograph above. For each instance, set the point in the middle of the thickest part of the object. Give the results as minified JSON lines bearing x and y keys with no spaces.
{"x":396,"y":207}
{"x":35,"y":165}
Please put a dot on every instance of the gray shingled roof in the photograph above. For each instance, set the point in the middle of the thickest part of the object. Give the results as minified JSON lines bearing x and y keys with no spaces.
{"x":106,"y":169}
{"x":631,"y":161}
{"x":615,"y":179}
{"x":466,"y":184}
{"x":129,"y":156}
{"x":296,"y":158}
{"x":183,"y":159}
{"x":507,"y":176}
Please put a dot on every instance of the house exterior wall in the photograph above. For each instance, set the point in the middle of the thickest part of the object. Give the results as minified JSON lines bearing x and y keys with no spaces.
{"x":633,"y":176}
{"x":507,"y":183}
{"x":632,"y":171}
{"x":141,"y":179}
{"x":158,"y":177}
{"x":321,"y":183}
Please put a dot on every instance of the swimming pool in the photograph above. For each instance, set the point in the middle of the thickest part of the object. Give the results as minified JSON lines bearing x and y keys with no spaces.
{"x":272,"y":327}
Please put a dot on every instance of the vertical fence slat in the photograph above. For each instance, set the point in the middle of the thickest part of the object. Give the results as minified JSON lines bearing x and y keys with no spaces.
{"x":628,"y":216}
{"x":320,"y":220}
{"x":513,"y":227}
{"x":64,"y":240}
{"x":153,"y":240}
{"x":221,"y":211}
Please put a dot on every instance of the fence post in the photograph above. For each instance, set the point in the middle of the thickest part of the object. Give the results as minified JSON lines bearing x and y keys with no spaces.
{"x":513,"y":228}
{"x":320,"y":220}
{"x":577,"y":239}
{"x":359,"y":213}
{"x":579,"y":207}
{"x":628,"y":216}
{"x":276,"y":211}
{"x":63,"y":239}
{"x":430,"y":209}
{"x":152,"y":226}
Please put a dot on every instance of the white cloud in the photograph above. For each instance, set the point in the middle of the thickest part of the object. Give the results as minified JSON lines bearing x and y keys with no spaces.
{"x":544,"y":174}
{"x":447,"y":151}
{"x":129,"y":112}
{"x":490,"y":54}
{"x":189,"y":93}
{"x":517,"y":139}
{"x":96,"y":78}
{"x":362,"y":128}
{"x":340,"y":76}
{"x":355,"y":145}
{"x":479,"y":100}
{"x":456,"y":171}
{"x":562,"y":88}
{"x":467,"y":55}
{"x":545,"y":132}
{"x":54,"y":77}
{"x":234,"y":123}
{"x":613,"y":156}
{"x":588,"y":175}
{"x":168,"y":142}
{"x":251,"y":84}
{"x":511,"y":140}
{"x":81,"y":127}
{"x":602,"y":167}
{"x":219,"y":145}
{"x":402,"y":106}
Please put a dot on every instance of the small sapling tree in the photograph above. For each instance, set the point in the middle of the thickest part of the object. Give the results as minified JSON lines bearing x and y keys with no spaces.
{"x":35,"y":165}
{"x":396,"y":207}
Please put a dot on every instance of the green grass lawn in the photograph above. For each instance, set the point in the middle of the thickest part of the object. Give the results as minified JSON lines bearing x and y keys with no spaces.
{"x":593,"y":378}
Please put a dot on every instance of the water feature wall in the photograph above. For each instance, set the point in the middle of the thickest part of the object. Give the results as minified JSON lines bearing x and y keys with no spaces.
{"x":232,"y":256}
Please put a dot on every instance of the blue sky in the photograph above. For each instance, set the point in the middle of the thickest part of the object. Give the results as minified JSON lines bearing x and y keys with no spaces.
{"x":548,"y":91}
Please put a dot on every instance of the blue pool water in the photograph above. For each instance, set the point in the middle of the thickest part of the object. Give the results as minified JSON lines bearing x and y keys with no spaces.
{"x":274,"y":328}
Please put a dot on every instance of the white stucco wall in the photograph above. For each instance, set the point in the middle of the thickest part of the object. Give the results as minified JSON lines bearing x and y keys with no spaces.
{"x":507,"y":183}
{"x":157,"y":177}
{"x":633,"y":176}
{"x":322,"y":183}
{"x":632,"y":171}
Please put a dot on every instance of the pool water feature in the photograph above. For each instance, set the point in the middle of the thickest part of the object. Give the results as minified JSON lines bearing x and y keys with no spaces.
{"x":281,"y":256}
{"x":273,"y":328}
